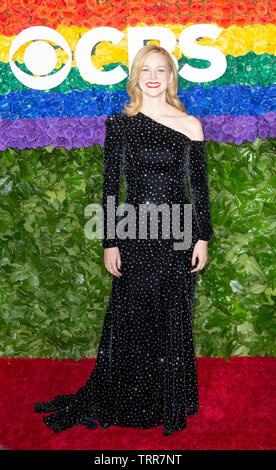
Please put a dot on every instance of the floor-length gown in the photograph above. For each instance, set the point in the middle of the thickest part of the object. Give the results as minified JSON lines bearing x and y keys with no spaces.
{"x":145,"y":372}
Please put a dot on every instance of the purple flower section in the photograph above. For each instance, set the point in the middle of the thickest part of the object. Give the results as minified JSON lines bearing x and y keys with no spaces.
{"x":86,"y":131}
{"x":237,"y":129}
{"x":55,"y":132}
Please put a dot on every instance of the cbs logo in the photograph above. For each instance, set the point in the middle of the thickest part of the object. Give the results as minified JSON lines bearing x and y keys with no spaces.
{"x":40,"y":57}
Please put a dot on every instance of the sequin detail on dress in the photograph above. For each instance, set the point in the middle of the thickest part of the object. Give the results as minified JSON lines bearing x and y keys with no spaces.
{"x":145,"y":372}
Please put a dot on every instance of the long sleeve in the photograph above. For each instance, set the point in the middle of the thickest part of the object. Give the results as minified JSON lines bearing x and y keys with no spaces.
{"x":112,"y":176}
{"x":198,"y":179}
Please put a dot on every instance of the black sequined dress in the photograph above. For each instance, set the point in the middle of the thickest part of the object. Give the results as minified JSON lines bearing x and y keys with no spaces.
{"x":145,"y":373}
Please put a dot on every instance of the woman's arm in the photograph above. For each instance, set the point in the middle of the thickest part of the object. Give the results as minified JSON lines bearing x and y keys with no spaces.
{"x":112,"y":176}
{"x":198,"y":178}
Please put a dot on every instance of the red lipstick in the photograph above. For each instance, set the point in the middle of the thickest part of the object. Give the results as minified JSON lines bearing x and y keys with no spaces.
{"x":152,"y":84}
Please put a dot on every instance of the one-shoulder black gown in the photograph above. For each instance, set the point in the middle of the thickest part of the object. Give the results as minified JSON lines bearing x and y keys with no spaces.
{"x":145,"y":372}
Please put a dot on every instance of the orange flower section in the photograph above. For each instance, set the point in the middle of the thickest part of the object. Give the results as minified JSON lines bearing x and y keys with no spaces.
{"x":16,"y":15}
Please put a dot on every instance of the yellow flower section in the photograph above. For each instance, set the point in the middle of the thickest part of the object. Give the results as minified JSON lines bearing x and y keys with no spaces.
{"x":235,"y":41}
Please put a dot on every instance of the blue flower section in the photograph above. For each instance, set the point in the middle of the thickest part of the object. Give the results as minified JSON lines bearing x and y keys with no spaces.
{"x":236,"y":100}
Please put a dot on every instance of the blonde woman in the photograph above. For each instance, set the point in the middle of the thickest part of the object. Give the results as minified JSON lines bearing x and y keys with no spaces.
{"x":145,"y":373}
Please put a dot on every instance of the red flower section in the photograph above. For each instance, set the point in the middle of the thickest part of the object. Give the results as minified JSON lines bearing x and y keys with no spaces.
{"x":17,"y":15}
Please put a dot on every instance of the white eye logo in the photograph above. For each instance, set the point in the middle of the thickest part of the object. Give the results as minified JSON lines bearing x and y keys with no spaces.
{"x":40,"y":57}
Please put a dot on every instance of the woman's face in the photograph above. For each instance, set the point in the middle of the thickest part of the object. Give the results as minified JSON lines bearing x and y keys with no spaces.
{"x":155,"y":76}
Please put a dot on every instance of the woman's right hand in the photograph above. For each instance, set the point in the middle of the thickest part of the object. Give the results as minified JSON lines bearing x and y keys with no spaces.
{"x":112,"y":260}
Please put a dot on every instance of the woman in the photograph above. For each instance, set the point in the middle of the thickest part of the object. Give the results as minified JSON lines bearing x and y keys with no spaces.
{"x":145,"y":372}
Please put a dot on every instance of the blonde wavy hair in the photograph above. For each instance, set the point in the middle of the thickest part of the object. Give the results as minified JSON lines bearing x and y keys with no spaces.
{"x":136,"y":95}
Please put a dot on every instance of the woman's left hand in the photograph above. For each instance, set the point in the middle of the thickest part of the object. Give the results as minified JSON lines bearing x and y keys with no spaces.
{"x":201,"y":252}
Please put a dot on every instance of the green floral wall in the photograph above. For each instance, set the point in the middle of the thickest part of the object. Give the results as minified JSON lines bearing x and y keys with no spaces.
{"x":55,"y":287}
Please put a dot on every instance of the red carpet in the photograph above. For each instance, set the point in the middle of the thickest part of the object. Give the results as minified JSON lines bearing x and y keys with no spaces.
{"x":237,"y":408}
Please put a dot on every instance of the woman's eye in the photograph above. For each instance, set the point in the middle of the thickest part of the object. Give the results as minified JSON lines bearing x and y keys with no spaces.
{"x":159,"y":70}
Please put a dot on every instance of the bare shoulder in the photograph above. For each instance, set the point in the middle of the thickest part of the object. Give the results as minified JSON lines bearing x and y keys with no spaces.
{"x":193,"y":127}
